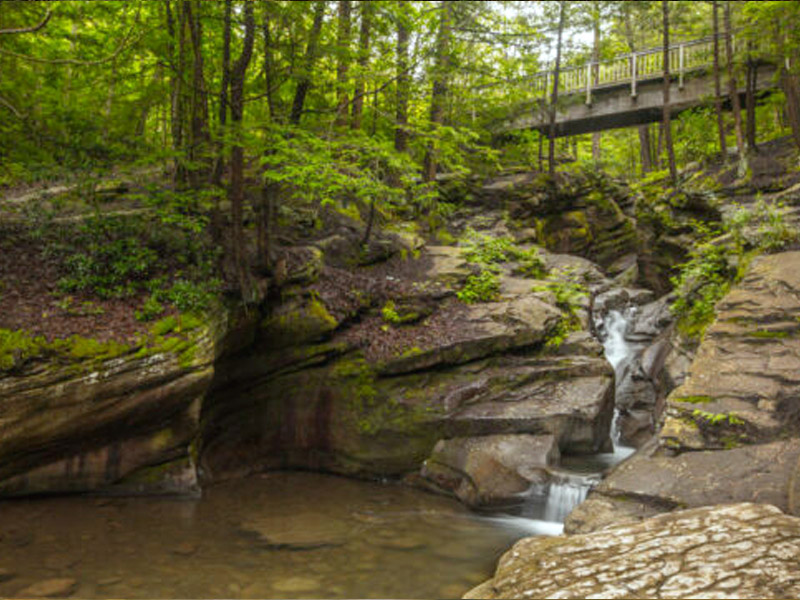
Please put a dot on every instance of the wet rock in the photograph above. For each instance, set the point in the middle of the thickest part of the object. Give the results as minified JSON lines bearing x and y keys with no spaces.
{"x":6,"y":575}
{"x":185,"y":549}
{"x":746,"y":550}
{"x":658,"y":483}
{"x":58,"y":562}
{"x":296,"y":585}
{"x":491,"y":470}
{"x":50,"y":588}
{"x":731,"y":431}
{"x":299,"y":531}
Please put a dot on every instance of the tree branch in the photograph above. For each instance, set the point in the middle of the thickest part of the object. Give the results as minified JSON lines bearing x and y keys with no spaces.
{"x":29,"y":29}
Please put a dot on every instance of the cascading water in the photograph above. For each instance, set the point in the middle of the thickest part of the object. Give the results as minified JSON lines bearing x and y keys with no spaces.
{"x":618,"y":352}
{"x":550,"y":503}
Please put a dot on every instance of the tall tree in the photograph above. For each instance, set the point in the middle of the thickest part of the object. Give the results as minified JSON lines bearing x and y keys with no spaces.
{"x":733,"y":91}
{"x":304,"y":81}
{"x":723,"y":146}
{"x":366,"y":9}
{"x":236,"y":189}
{"x":751,"y":81}
{"x":673,"y":170}
{"x":562,"y":8}
{"x":403,"y":78}
{"x":343,"y":61}
{"x":441,"y":73}
{"x":219,"y":164}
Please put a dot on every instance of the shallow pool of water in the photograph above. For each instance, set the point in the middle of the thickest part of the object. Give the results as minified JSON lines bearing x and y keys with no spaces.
{"x":281,"y":535}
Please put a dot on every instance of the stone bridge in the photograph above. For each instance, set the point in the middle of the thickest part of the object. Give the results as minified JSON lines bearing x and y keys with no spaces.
{"x":628,"y":89}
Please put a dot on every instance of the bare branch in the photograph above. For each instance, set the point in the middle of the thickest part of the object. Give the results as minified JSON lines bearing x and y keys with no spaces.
{"x":29,"y":29}
{"x":17,"y":113}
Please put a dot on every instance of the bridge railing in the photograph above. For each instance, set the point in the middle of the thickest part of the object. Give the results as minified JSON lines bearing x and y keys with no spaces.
{"x":629,"y":69}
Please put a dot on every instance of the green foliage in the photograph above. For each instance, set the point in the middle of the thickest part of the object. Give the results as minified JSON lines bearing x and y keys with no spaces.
{"x":702,"y":281}
{"x":763,"y":228}
{"x":18,"y":347}
{"x":151,"y":309}
{"x":717,"y":418}
{"x":695,"y":399}
{"x":489,"y":251}
{"x":389,"y":313}
{"x":483,"y":287}
{"x":568,"y":294}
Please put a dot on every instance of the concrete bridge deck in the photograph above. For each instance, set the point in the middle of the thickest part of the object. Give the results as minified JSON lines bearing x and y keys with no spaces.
{"x":628,"y":90}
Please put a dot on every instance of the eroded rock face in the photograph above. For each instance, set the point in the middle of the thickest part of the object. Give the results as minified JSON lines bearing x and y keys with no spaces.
{"x":738,"y":550}
{"x":730,"y":431}
{"x":321,"y":402}
{"x":126,"y":425}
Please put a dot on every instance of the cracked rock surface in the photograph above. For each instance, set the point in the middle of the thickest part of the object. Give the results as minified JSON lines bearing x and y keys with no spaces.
{"x":736,"y":550}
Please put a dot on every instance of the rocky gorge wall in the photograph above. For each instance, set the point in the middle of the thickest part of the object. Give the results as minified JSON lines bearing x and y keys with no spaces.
{"x":320,"y":378}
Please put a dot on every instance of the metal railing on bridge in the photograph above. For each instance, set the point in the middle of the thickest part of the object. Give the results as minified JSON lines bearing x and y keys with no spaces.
{"x":631,"y":69}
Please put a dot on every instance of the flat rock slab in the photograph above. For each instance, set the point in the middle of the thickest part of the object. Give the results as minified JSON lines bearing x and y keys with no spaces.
{"x":646,"y":484}
{"x":300,"y":531}
{"x":576,"y":410}
{"x":49,"y":588}
{"x":492,"y":469}
{"x":487,"y":329}
{"x":739,"y":550}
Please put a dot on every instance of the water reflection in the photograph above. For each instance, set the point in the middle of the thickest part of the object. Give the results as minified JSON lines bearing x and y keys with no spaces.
{"x":281,"y":535}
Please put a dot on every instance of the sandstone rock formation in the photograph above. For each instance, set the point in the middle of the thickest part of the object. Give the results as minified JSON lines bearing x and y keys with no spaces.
{"x":737,"y":550}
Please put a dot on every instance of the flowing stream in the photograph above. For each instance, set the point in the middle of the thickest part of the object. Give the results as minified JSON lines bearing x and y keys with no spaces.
{"x":281,"y":535}
{"x":284,"y":535}
{"x":550,"y":503}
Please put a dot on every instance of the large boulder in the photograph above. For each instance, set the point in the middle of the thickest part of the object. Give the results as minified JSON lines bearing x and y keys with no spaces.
{"x":79,"y":415}
{"x":492,"y":469}
{"x":738,"y":550}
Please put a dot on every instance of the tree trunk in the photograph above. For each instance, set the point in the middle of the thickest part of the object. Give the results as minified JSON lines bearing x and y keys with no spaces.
{"x":198,"y":150}
{"x":219,"y":166}
{"x":750,"y":102}
{"x":403,"y":82}
{"x":236,"y":190}
{"x":343,"y":62}
{"x":440,"y":84}
{"x":551,"y":156}
{"x":733,"y":91}
{"x":723,"y":145}
{"x":673,"y":170}
{"x":304,"y":82}
{"x":363,"y":62}
{"x":269,"y":75}
{"x":644,"y":149}
{"x":596,"y":136}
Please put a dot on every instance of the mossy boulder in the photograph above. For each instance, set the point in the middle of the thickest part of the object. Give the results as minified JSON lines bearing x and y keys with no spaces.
{"x":82,"y":415}
{"x":298,"y":322}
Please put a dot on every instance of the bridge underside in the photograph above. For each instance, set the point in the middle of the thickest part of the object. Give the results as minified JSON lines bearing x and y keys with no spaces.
{"x":615,"y":107}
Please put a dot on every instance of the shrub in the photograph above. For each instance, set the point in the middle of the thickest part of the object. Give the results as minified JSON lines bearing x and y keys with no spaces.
{"x":484,"y":287}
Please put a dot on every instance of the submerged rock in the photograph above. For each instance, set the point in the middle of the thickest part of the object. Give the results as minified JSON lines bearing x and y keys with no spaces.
{"x":739,"y":550}
{"x":49,"y":588}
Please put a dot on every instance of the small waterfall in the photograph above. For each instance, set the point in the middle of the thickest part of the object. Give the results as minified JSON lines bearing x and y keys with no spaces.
{"x":551,"y":502}
{"x":564,"y":495}
{"x":617,"y":348}
{"x":618,"y":351}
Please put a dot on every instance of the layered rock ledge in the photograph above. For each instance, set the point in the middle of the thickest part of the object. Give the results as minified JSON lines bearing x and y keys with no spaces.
{"x":738,"y":550}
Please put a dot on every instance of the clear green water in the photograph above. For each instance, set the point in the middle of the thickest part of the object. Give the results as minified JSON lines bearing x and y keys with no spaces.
{"x":282,"y":535}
